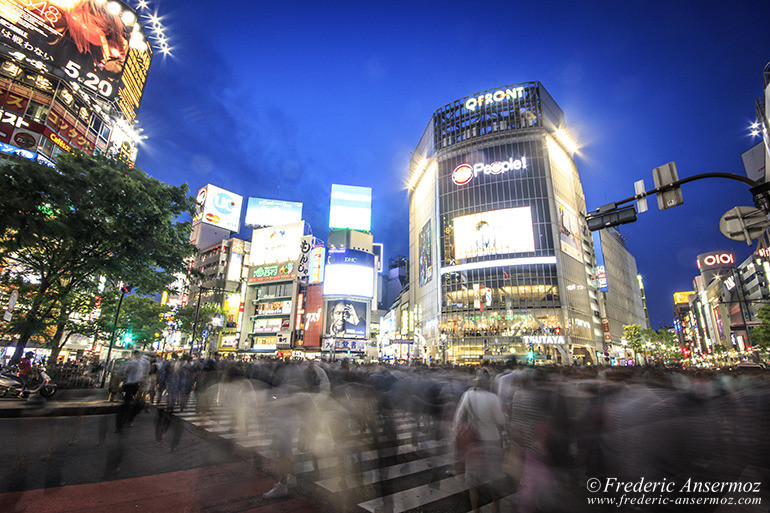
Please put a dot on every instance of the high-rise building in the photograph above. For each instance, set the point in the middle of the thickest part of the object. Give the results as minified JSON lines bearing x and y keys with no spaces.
{"x":619,"y":289}
{"x":502,"y":263}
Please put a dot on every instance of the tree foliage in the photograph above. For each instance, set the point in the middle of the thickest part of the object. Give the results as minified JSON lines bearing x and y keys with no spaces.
{"x":63,"y":228}
{"x":142,"y":317}
{"x":760,"y":335}
{"x":185,"y":320}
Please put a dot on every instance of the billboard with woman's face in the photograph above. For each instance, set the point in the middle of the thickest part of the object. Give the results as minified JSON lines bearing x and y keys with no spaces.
{"x":89,"y":40}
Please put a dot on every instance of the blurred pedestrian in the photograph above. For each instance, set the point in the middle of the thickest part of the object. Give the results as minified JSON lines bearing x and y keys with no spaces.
{"x":480,"y":411}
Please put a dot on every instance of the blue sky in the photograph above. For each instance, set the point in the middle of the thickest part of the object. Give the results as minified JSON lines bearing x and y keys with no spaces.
{"x":280,"y":100}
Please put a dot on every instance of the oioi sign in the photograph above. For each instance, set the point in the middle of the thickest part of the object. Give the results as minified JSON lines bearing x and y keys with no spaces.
{"x":464,"y":173}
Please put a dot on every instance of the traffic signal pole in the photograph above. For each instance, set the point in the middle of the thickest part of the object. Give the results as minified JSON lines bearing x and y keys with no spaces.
{"x":610,"y":215}
{"x":123,"y":291}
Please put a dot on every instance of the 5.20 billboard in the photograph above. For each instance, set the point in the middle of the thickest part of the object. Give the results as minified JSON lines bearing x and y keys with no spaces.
{"x":88,"y":40}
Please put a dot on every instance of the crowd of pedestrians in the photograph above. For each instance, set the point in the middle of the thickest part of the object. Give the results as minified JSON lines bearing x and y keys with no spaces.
{"x":538,"y":433}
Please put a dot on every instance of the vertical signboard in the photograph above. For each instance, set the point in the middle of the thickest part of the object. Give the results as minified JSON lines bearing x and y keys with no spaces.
{"x":303,"y":263}
{"x":426,"y":254}
{"x":601,"y":273}
{"x":314,"y":316}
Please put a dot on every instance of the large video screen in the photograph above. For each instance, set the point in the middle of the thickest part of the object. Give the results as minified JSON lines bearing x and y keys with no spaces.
{"x":349,"y":273}
{"x":262,"y":212}
{"x":496,"y":232}
{"x":89,"y":40}
{"x":351,"y":207}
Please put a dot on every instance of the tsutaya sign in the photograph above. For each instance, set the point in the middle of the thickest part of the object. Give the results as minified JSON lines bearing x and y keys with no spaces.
{"x":544,"y":340}
{"x":465,"y":172}
{"x":496,"y":97}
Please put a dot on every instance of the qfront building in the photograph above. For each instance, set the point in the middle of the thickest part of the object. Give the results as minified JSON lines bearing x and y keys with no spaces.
{"x":502,"y":264}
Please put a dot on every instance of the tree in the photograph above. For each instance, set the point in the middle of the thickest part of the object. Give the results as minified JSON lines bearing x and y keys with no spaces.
{"x":92,"y":216}
{"x":760,"y":335}
{"x":185,"y":320}
{"x":633,"y":333}
{"x":142,"y":317}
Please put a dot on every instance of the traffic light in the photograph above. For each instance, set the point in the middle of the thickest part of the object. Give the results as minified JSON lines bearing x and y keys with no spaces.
{"x":610,"y":215}
{"x":125,"y":289}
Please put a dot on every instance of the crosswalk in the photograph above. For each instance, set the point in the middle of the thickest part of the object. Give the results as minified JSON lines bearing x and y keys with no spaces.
{"x":409,"y":472}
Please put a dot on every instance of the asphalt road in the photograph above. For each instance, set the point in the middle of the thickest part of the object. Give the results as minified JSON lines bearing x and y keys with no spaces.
{"x":60,"y":464}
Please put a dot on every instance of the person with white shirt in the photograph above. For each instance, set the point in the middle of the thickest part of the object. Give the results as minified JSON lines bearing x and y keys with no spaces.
{"x":481,"y":409}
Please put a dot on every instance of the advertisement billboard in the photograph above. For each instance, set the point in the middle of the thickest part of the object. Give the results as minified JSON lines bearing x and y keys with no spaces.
{"x":347,"y":318}
{"x":495,"y":232}
{"x":349,"y":273}
{"x":351,"y":207}
{"x":267,"y":212}
{"x":272,"y":272}
{"x":88,"y":41}
{"x":317,"y":265}
{"x":219,"y":207}
{"x":313,"y":316}
{"x":426,"y":254}
{"x":303,"y":262}
{"x":569,"y":231}
{"x":276,"y":243}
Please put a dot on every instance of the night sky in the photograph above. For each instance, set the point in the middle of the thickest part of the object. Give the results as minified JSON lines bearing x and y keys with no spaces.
{"x":281,"y":101}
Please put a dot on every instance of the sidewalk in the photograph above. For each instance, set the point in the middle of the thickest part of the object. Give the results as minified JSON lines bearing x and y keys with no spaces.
{"x":91,"y":401}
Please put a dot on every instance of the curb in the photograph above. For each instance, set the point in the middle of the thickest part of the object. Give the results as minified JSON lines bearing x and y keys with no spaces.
{"x":58,"y":410}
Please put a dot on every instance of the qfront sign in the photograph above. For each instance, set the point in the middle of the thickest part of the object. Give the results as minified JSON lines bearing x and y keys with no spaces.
{"x":498,"y":96}
{"x":464,"y":173}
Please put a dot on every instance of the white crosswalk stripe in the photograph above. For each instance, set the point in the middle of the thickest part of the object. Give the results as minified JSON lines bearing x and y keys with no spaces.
{"x":410,"y":472}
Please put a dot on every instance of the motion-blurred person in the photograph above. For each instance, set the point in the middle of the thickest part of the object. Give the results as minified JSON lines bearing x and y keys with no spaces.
{"x":481,"y":410}
{"x":135,"y":371}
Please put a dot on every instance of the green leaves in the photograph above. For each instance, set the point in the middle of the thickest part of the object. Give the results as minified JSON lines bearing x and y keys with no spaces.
{"x":92,"y":216}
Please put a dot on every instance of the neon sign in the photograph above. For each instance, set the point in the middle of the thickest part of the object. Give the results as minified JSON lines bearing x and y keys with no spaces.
{"x":496,"y":97}
{"x":716,"y":260}
{"x":272,"y":272}
{"x":464,"y":173}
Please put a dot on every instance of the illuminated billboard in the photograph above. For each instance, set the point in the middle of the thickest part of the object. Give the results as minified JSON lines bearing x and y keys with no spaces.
{"x":495,"y":232}
{"x":267,"y":212}
{"x":347,"y":319}
{"x":683,"y":298}
{"x":351,"y":207}
{"x":569,"y":231}
{"x":317,"y":265}
{"x":349,"y":273}
{"x":276,"y":243}
{"x":88,"y":41}
{"x":313,"y":316}
{"x":219,"y":208}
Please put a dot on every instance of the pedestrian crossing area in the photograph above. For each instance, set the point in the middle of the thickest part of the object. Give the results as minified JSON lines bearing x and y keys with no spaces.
{"x":408,"y":471}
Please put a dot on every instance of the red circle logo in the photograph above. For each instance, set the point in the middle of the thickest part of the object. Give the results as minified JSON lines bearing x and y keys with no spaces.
{"x":462,"y":174}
